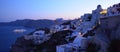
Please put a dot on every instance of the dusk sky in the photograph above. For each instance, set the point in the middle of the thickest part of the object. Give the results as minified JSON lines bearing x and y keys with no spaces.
{"x":11,"y":10}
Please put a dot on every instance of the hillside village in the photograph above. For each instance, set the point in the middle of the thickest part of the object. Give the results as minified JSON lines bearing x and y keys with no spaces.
{"x":95,"y":32}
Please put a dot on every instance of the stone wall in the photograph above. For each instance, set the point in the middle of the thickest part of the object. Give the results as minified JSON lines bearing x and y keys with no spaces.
{"x":110,"y":22}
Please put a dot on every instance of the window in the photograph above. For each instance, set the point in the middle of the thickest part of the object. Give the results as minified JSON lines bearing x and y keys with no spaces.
{"x":37,"y":33}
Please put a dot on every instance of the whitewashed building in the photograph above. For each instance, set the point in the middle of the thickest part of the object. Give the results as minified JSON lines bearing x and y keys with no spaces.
{"x":57,"y":28}
{"x":38,"y":37}
{"x":76,"y":46}
{"x":114,"y":10}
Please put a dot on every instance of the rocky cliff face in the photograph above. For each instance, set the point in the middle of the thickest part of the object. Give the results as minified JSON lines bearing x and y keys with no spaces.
{"x":106,"y":37}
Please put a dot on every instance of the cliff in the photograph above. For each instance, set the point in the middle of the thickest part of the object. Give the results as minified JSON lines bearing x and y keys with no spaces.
{"x":106,"y":36}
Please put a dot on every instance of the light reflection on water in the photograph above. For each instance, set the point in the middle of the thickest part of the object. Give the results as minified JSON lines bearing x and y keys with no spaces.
{"x":19,"y":30}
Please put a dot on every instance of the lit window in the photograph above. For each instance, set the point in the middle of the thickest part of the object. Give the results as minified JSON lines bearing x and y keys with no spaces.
{"x":103,"y":12}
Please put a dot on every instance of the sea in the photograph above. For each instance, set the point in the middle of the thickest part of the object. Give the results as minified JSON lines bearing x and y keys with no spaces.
{"x":8,"y":36}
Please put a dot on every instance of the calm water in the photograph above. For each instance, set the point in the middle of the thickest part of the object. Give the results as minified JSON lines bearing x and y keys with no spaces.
{"x":8,"y":37}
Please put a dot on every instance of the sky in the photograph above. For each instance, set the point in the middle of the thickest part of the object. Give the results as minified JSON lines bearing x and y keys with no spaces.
{"x":11,"y":10}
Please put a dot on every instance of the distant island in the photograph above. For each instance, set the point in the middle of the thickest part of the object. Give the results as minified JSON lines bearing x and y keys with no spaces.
{"x":42,"y":23}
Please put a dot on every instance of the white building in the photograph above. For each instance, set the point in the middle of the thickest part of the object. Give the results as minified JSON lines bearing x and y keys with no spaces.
{"x":57,"y":28}
{"x":114,"y":10}
{"x":78,"y":40}
{"x":89,"y":20}
{"x":38,"y":37}
{"x":39,"y":33}
{"x":64,"y":48}
{"x":86,"y":24}
{"x":76,"y":46}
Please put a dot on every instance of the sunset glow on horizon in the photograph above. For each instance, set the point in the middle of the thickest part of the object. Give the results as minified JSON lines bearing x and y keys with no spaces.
{"x":11,"y":10}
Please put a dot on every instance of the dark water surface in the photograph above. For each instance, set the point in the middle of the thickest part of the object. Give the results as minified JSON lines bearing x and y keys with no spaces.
{"x":8,"y":37}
